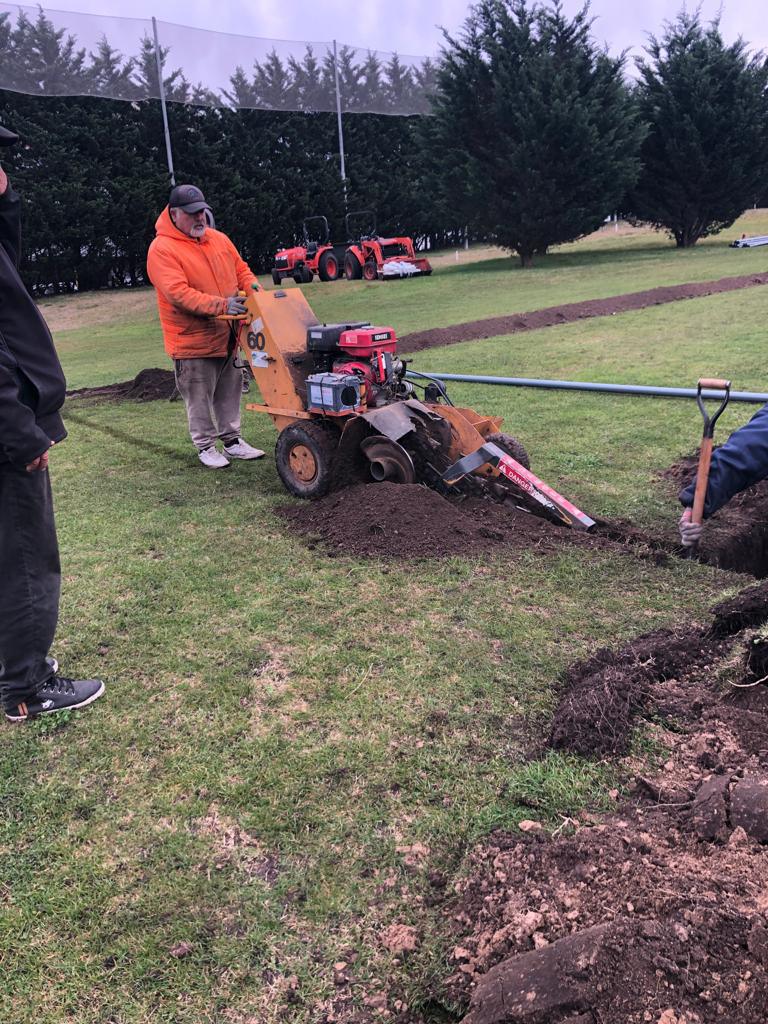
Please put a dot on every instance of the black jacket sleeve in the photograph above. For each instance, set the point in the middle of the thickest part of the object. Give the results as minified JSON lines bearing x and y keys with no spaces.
{"x":736,"y":465}
{"x":10,"y":224}
{"x":21,"y":439}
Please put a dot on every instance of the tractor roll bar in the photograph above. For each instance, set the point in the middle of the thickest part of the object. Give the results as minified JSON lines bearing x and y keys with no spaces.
{"x":753,"y":397}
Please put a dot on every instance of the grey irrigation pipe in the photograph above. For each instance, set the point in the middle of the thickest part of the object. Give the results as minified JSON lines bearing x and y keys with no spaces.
{"x":754,"y":397}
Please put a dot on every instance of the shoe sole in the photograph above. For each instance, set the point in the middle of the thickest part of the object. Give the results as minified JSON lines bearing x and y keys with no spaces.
{"x":54,"y":711}
{"x":246,"y":458}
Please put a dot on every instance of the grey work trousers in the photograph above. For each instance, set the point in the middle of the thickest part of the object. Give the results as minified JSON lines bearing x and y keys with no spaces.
{"x":212,"y":389}
{"x":30,"y":580}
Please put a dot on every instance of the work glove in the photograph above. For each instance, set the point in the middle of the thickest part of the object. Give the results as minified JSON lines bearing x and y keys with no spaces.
{"x":236,"y":306}
{"x":690,"y":533}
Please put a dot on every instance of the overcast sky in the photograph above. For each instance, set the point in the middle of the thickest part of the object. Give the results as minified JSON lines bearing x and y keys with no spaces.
{"x":412,"y":26}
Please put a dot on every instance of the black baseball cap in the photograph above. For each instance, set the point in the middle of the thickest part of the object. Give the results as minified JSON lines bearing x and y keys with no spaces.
{"x":7,"y":138}
{"x":188,"y":198}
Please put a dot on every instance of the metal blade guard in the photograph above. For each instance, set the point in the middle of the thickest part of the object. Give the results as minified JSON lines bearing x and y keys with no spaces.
{"x":527,"y":482}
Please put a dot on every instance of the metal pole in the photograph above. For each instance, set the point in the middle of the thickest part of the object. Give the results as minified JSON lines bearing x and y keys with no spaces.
{"x":753,"y":397}
{"x":341,"y":127}
{"x":161,"y":87}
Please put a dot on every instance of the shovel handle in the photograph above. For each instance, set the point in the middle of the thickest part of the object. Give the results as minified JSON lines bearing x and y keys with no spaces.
{"x":714,"y":384}
{"x":702,"y":479}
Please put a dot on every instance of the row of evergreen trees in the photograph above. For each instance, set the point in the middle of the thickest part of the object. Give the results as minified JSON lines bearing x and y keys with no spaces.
{"x":39,"y":59}
{"x":536,"y":136}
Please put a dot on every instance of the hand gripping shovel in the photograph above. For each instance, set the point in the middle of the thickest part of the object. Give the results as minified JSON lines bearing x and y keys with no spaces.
{"x":705,"y":454}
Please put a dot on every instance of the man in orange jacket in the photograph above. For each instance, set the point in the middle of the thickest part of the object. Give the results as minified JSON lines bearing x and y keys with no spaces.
{"x":197,"y":273}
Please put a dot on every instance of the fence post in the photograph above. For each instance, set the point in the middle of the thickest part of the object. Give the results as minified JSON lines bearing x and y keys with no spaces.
{"x":338,"y":118}
{"x":161,"y":87}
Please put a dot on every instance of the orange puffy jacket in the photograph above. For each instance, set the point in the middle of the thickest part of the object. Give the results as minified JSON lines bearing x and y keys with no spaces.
{"x":193,"y":280}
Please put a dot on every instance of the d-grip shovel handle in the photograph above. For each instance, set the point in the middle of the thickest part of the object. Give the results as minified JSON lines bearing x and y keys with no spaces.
{"x":711,"y":384}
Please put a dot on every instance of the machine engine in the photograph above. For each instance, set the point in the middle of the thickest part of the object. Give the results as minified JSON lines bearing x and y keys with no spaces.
{"x":361,"y":351}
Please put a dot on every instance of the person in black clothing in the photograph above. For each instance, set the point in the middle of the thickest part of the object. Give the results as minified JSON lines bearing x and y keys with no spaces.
{"x":736,"y":465}
{"x":31,"y":394}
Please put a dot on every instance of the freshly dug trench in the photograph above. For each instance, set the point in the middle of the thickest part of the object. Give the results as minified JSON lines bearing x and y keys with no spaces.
{"x":573,"y":311}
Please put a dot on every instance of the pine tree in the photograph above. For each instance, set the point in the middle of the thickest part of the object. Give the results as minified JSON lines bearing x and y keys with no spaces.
{"x":536,"y":126}
{"x":705,"y":158}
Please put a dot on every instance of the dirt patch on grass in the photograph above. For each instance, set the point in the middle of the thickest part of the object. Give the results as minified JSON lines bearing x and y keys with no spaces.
{"x":657,"y":912}
{"x":552,"y":316}
{"x":735,"y":537}
{"x":147,"y":386}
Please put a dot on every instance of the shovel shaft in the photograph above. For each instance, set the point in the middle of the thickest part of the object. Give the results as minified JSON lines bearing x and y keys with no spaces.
{"x":702,"y":479}
{"x":700,"y":494}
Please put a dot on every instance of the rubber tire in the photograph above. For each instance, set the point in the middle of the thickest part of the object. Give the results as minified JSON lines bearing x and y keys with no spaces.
{"x":322,"y":441}
{"x":328,"y":267}
{"x":370,"y":273}
{"x":352,"y":269}
{"x":306,"y":275}
{"x":277,"y":278}
{"x":512,"y":447}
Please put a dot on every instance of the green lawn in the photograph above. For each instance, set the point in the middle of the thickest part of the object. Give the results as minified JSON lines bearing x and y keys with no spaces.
{"x":293,"y":748}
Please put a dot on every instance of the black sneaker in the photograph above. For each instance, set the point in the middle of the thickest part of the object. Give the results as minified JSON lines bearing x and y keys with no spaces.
{"x":57,"y":694}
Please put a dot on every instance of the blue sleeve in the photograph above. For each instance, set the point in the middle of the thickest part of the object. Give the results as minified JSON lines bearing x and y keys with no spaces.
{"x":739,"y":463}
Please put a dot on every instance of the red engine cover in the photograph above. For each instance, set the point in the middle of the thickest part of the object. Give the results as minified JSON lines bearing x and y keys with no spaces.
{"x":367,"y":341}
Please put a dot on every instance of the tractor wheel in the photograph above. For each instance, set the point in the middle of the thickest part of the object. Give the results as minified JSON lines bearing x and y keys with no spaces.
{"x":352,"y":269}
{"x":277,"y":278}
{"x":512,"y":447}
{"x":305,"y":456}
{"x":370,"y":273}
{"x":328,"y":267}
{"x":306,"y":275}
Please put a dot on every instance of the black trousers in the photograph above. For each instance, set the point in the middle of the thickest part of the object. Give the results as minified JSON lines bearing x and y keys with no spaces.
{"x":30,"y":582}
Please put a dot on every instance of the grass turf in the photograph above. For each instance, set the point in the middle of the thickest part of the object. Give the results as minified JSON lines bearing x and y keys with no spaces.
{"x":294,"y":751}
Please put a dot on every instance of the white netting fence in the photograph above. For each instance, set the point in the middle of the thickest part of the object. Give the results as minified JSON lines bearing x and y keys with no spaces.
{"x":62,"y":53}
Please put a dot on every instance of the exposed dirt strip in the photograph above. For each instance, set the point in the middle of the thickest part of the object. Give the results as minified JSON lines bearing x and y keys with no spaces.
{"x":516,"y":323}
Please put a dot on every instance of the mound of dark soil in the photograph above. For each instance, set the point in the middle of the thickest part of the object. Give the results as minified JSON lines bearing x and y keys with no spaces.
{"x":736,"y":537}
{"x":601,"y":695}
{"x":147,"y":386}
{"x":401,"y":521}
{"x":572,"y":311}
{"x":388,"y":520}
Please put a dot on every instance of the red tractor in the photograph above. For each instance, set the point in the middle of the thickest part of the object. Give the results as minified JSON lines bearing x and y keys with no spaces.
{"x":374,"y":258}
{"x":316,"y":256}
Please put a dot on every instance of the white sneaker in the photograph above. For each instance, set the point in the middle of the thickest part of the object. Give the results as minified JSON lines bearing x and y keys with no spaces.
{"x":213,"y":459}
{"x":241,"y":450}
